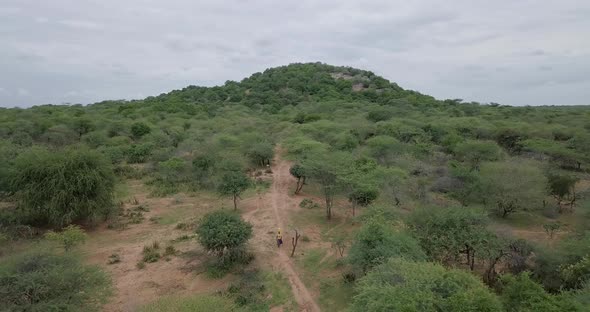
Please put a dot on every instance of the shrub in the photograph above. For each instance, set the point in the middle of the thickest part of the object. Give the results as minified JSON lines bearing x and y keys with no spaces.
{"x":402,"y":285}
{"x":308,"y":203}
{"x":520,"y":293}
{"x":58,"y":188}
{"x":151,"y":253}
{"x":114,"y":258}
{"x":376,"y":242}
{"x":70,"y":237}
{"x":41,"y":281}
{"x":140,"y":129}
{"x":221,"y":230}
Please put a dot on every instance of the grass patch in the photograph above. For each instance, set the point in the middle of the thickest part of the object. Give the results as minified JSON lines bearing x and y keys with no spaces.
{"x":335,"y":295}
{"x":280,"y":289}
{"x":183,"y":238}
{"x":114,"y":258}
{"x":312,"y":262}
{"x":260,"y":291}
{"x":522,"y":220}
{"x":190,"y":304}
{"x":151,"y":253}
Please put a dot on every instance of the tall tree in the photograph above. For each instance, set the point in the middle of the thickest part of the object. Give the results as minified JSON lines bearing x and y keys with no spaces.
{"x":328,"y":170}
{"x":508,"y":187}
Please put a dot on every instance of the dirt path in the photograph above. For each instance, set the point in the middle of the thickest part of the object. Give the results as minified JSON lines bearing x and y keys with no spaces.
{"x":272,"y":211}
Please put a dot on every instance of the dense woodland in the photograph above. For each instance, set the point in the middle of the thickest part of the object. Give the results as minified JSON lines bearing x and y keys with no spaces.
{"x":429,"y":186}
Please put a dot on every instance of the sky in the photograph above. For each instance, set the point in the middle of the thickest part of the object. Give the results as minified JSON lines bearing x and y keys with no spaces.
{"x":514,"y":52}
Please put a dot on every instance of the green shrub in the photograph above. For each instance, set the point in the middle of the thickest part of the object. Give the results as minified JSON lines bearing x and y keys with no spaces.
{"x":58,"y":188}
{"x":223,"y":230}
{"x":308,"y":203}
{"x":41,"y":281}
{"x":377,"y":241}
{"x":151,"y":253}
{"x":140,"y":129}
{"x":70,"y":237}
{"x":403,"y":285}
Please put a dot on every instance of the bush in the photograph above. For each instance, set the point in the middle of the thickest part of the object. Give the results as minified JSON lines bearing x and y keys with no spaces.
{"x":520,"y":293}
{"x":308,"y":203}
{"x":114,"y":258}
{"x":226,"y":234}
{"x":402,"y":285}
{"x":151,"y":253}
{"x":140,"y":129}
{"x":58,"y":188}
{"x":41,"y":281}
{"x":377,"y":241}
{"x":70,"y":237}
{"x":221,"y":230}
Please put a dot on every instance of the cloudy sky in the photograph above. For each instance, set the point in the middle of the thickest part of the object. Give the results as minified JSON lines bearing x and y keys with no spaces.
{"x":518,"y":52}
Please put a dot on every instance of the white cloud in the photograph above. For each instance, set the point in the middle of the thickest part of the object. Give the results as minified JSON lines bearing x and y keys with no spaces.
{"x":81,"y":24}
{"x":22,"y":92}
{"x":511,"y":52}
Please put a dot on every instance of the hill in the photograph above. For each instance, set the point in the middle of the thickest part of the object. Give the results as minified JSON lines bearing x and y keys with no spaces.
{"x":493,"y":201}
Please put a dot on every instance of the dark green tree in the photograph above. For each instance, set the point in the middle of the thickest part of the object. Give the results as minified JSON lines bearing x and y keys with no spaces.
{"x":222,"y":230}
{"x":140,"y":129}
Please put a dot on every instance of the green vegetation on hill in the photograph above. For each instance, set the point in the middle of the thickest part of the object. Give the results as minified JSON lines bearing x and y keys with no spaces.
{"x":459,"y":184}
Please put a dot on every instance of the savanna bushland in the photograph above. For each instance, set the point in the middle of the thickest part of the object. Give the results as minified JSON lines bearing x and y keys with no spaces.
{"x":404,"y":202}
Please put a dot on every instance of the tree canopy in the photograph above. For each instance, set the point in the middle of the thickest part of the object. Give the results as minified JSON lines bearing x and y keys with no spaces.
{"x":404,"y":285}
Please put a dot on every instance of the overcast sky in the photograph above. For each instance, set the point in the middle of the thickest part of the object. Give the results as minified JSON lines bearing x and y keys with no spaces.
{"x":513,"y":52}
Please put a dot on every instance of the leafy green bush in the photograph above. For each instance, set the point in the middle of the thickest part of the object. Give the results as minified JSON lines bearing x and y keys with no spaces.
{"x":151,"y":253}
{"x":521,"y":293}
{"x":41,"y":281}
{"x":403,"y":285}
{"x":221,"y":230}
{"x":58,"y":188}
{"x":376,"y":242}
{"x":140,"y":129}
{"x":69,"y":237}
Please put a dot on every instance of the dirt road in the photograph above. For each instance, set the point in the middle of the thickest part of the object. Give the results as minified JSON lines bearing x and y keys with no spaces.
{"x":272,"y":212}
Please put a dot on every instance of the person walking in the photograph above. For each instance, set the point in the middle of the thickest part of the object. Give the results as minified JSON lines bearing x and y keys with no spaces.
{"x":279,"y":238}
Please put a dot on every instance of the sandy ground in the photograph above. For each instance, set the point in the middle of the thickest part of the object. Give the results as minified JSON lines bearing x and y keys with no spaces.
{"x":182,"y":275}
{"x":271,"y":212}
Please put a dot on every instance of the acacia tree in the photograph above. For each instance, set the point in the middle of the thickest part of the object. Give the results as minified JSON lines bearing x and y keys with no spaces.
{"x":58,"y":188}
{"x":328,"y":170}
{"x":563,"y":188}
{"x":298,"y":172}
{"x":508,"y":187}
{"x":261,"y":153}
{"x":447,"y":233}
{"x":474,"y":152}
{"x":362,"y":195}
{"x":233,"y":183}
{"x":82,"y":126}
